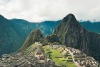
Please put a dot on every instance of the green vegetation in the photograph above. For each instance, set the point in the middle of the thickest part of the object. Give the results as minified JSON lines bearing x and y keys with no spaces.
{"x":58,"y":57}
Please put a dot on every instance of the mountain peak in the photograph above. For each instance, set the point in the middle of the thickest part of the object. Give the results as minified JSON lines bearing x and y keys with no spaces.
{"x":67,"y":23}
{"x":1,"y":17}
{"x":34,"y":36}
{"x":37,"y":31}
{"x":69,"y":17}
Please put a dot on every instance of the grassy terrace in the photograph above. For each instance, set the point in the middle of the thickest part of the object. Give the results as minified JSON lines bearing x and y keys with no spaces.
{"x":58,"y":57}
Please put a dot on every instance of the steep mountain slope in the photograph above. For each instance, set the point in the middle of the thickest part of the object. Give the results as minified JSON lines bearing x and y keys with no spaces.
{"x":9,"y":40}
{"x":34,"y":36}
{"x":72,"y":34}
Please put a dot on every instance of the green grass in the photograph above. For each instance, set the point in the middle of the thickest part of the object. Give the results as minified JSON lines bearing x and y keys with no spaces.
{"x":30,"y":51}
{"x":56,"y":57}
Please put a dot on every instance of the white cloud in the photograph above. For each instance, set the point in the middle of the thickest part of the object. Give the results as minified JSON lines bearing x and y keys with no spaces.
{"x":41,"y":10}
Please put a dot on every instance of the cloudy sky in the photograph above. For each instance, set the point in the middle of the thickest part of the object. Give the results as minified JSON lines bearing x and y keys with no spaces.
{"x":41,"y":10}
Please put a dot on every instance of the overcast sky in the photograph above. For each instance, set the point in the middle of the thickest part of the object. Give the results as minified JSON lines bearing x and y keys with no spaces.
{"x":41,"y":10}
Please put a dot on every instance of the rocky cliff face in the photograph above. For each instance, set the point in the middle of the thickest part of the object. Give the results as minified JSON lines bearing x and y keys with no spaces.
{"x":72,"y":34}
{"x":34,"y":36}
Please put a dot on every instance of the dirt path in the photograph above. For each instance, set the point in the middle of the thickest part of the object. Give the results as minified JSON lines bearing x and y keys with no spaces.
{"x":73,"y":58}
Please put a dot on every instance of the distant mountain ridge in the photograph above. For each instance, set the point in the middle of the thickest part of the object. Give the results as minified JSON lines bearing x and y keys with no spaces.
{"x":91,"y":26}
